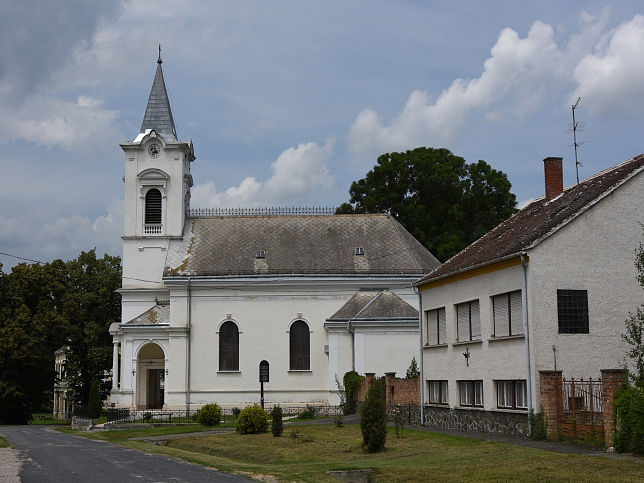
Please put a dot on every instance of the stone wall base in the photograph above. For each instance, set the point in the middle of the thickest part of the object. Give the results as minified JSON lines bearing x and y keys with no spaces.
{"x":514,"y":424}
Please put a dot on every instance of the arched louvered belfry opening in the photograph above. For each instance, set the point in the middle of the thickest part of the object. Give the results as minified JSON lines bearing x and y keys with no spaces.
{"x":229,"y":346}
{"x":153,"y":207}
{"x":300,"y":346}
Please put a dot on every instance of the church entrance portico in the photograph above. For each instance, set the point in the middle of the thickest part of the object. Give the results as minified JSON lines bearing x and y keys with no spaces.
{"x":150,"y":377}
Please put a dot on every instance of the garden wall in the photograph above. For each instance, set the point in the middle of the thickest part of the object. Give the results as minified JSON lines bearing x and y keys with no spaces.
{"x":475,"y":420}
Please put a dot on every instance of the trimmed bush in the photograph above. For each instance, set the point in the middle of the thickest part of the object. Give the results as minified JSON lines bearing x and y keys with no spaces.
{"x":372,"y":419}
{"x":352,"y":382}
{"x":252,"y":419}
{"x":209,"y":415}
{"x":277,"y":426}
{"x":629,"y":414}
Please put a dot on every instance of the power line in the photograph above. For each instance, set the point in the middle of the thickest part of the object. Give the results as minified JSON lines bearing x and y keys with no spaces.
{"x":22,"y":258}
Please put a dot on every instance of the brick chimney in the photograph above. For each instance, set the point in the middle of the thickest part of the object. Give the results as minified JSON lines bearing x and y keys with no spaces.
{"x":553,"y":170}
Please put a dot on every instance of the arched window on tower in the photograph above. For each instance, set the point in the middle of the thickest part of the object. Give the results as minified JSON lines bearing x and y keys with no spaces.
{"x":300,"y":346}
{"x":228,"y":346}
{"x":153,"y":212}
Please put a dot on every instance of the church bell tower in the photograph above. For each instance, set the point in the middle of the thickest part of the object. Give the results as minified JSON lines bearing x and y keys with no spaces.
{"x":157,"y":190}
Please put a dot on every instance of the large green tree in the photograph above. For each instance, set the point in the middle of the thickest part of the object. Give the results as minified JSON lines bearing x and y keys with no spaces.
{"x":443,"y":201}
{"x":91,"y":305}
{"x":44,"y":307}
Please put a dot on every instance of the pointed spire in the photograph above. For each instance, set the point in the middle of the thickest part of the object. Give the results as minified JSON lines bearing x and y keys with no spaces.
{"x":158,"y":115}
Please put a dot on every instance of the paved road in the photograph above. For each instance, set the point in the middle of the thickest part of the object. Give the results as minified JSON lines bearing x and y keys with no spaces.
{"x":50,"y":456}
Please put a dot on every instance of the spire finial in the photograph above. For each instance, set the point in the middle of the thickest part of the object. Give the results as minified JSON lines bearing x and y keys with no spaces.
{"x":159,"y":61}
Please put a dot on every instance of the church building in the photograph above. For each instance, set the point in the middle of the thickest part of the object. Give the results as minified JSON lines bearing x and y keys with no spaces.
{"x":209,"y":294}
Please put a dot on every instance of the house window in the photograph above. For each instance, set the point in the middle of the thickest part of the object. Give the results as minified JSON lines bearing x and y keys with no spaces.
{"x":511,"y":394}
{"x":153,"y":207}
{"x":508,"y":314}
{"x":436,"y":326}
{"x":228,"y":346}
{"x":437,"y":392}
{"x":468,"y":322}
{"x":300,"y":346}
{"x":470,"y":393}
{"x":572,"y":309}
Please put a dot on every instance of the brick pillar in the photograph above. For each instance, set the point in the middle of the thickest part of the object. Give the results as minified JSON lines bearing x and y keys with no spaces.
{"x":371,"y":377}
{"x":612,"y":380}
{"x":551,"y":400}
{"x":390,"y":384}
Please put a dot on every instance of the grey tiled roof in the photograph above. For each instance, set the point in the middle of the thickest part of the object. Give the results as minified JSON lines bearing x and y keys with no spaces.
{"x":157,"y":315}
{"x":158,"y":115}
{"x":374,"y":304}
{"x":538,"y":220}
{"x":323,"y":244}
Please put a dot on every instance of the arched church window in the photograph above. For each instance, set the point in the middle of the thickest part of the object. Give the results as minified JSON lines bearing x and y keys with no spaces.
{"x":300,"y":346}
{"x":228,"y":346}
{"x":153,"y":207}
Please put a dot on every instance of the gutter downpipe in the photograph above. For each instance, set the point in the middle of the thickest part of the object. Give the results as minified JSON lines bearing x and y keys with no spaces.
{"x":188,"y":354}
{"x":420,"y":358}
{"x":526,"y":330}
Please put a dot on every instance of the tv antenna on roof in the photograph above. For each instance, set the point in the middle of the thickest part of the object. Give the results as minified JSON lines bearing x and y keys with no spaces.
{"x":576,"y":126}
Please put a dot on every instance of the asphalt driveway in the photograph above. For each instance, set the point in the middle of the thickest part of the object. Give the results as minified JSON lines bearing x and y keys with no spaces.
{"x":46,"y":455}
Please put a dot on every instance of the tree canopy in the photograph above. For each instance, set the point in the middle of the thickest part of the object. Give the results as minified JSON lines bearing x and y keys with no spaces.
{"x":44,"y":307}
{"x":443,"y":201}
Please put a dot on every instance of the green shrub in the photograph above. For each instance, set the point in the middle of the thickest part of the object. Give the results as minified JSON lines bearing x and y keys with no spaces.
{"x":277,"y":425}
{"x":308,"y":413}
{"x":252,"y":419}
{"x":537,"y":424}
{"x":352,"y":382}
{"x":147,"y":416}
{"x":236,"y":412}
{"x":209,"y":415}
{"x":372,"y":419}
{"x":629,"y":416}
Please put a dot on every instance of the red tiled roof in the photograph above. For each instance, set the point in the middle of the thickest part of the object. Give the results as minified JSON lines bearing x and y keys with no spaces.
{"x":538,"y":220}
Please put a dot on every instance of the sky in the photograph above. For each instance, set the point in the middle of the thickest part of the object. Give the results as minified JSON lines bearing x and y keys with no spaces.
{"x":288,"y":102}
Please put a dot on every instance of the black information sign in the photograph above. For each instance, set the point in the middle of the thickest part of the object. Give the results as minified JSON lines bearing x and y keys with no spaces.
{"x":263,"y":371}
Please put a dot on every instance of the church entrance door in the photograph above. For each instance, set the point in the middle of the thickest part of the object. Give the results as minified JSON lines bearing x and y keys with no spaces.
{"x":150,"y":377}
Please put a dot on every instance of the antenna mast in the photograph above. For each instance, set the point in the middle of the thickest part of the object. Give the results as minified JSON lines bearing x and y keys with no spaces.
{"x":574,"y":137}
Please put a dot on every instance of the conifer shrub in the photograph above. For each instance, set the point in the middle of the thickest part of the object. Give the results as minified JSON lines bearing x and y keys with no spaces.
{"x":209,"y":415}
{"x":277,"y":425}
{"x":352,"y":382}
{"x":372,"y":419}
{"x":252,"y":419}
{"x":94,"y":404}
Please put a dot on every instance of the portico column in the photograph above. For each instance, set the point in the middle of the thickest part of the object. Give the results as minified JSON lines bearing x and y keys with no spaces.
{"x":115,"y":366}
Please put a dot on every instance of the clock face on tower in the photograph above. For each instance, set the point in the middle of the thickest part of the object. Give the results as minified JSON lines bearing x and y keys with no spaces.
{"x":153,"y":150}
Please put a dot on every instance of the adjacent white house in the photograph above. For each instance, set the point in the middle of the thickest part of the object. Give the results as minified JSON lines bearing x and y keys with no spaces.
{"x":209,"y":294}
{"x":549,"y":288}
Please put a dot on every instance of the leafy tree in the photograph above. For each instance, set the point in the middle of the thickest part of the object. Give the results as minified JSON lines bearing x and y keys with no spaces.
{"x":634,"y":334}
{"x":412,"y":371}
{"x":44,"y":307}
{"x":372,"y":418}
{"x":439,"y":198}
{"x":91,"y":305}
{"x":31,"y":329}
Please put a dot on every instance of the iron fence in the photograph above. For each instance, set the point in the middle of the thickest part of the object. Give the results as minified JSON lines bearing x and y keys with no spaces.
{"x":582,"y":395}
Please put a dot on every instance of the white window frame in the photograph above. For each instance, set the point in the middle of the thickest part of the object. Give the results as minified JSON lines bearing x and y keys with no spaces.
{"x":436,"y":324}
{"x":510,"y":306}
{"x":511,"y":394}
{"x":438,"y":392}
{"x":472,"y":323}
{"x":470,"y":393}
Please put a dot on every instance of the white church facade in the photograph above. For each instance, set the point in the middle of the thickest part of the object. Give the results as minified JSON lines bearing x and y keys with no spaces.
{"x":209,"y":294}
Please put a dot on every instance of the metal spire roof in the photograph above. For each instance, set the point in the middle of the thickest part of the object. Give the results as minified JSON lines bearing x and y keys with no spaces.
{"x":158,"y":115}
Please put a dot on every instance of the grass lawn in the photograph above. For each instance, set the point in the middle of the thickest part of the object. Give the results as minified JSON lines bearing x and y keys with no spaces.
{"x":4,"y":443}
{"x":123,"y":436}
{"x":418,"y":456}
{"x":46,"y":418}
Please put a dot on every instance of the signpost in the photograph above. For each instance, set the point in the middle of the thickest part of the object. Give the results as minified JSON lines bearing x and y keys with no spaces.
{"x":263,"y":377}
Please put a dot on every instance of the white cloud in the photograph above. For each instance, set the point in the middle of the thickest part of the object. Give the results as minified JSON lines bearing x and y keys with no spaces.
{"x":611,"y":80}
{"x":40,"y":235}
{"x":49,"y":121}
{"x":298,"y":174}
{"x":517,"y":76}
